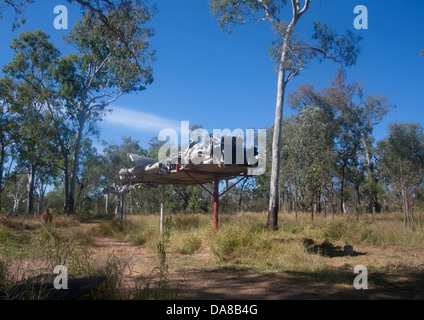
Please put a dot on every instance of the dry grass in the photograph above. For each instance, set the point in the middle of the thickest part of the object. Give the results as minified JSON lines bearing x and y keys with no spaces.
{"x":242,"y":240}
{"x":302,"y":244}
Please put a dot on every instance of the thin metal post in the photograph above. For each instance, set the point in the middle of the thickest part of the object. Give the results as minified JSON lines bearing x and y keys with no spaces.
{"x":215,"y":203}
{"x":122,"y":207}
{"x":162,"y":200}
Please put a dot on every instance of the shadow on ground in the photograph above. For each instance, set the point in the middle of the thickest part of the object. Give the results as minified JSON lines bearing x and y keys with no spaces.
{"x":244,"y":284}
{"x":327,"y":249}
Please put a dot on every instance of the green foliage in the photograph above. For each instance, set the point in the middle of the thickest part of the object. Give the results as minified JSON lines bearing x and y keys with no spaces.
{"x":324,"y":43}
{"x":233,"y":243}
{"x":187,"y":243}
{"x":134,"y":230}
{"x":327,"y":152}
{"x":4,"y":275}
{"x":188,"y":222}
{"x":341,"y":48}
{"x":18,"y":7}
{"x":251,"y":245}
{"x":160,"y":290}
{"x":115,"y":157}
{"x":53,"y":247}
{"x":401,"y":159}
{"x":335,"y":231}
{"x":402,"y":152}
{"x":11,"y":243}
{"x":113,"y":288}
{"x":71,"y":93}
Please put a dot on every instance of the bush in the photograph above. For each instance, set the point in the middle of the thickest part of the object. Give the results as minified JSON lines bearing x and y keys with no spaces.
{"x":107,"y":228}
{"x":4,"y":278}
{"x":240,"y":243}
{"x":335,"y":231}
{"x":252,"y":245}
{"x":189,"y":222}
{"x":142,"y":234}
{"x":186,"y":243}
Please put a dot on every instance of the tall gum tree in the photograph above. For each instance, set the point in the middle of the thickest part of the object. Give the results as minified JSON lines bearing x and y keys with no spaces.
{"x":9,"y":132}
{"x":32,"y":68}
{"x":103,"y":69}
{"x":355,"y":114}
{"x":98,"y":7}
{"x":401,"y":160}
{"x":291,"y":54}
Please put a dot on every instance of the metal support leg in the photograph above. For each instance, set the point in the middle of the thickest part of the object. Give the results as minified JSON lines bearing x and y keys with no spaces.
{"x":216,"y":195}
{"x":215,"y":203}
{"x":162,"y":200}
{"x":122,"y":207}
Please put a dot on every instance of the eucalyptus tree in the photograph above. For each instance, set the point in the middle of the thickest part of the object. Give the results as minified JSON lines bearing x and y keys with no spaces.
{"x":353,"y":115}
{"x":32,"y":67}
{"x":114,"y":158}
{"x":308,"y":147}
{"x":23,"y":139}
{"x":401,"y":157}
{"x":103,"y":11}
{"x":102,"y":70}
{"x":47,"y":176}
{"x":16,"y":191}
{"x":90,"y":180}
{"x":9,"y":132}
{"x":19,"y":7}
{"x":34,"y":153}
{"x":292,"y":55}
{"x":359,"y":114}
{"x":99,"y":8}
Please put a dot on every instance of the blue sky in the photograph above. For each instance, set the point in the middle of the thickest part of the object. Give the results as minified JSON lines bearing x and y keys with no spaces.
{"x":208,"y":77}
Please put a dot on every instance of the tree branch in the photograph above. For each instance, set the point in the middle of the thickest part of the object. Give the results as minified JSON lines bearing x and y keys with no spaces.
{"x":105,"y":21}
{"x":305,"y":7}
{"x":269,"y":15}
{"x":109,"y":101}
{"x":319,"y":50}
{"x":254,"y":19}
{"x":294,"y":74}
{"x":295,"y":6}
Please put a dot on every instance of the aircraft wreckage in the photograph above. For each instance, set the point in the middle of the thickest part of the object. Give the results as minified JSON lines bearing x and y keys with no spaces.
{"x":209,"y":161}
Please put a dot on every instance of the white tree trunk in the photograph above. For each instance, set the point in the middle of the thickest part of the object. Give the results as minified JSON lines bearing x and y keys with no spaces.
{"x":75,"y":164}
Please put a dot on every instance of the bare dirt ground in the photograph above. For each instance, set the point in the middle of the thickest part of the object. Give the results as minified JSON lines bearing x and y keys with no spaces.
{"x":196,"y":278}
{"x":199,"y":276}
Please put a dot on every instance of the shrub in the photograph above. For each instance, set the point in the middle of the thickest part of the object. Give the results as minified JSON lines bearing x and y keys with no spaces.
{"x":186,"y":243}
{"x":240,"y":243}
{"x":188,"y":222}
{"x":335,"y":231}
{"x":252,"y":245}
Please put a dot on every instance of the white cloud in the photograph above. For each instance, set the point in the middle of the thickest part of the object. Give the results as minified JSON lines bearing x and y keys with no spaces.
{"x":140,"y":121}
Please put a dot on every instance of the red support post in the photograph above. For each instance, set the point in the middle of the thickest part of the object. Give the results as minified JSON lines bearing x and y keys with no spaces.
{"x":215,"y":203}
{"x":216,"y":195}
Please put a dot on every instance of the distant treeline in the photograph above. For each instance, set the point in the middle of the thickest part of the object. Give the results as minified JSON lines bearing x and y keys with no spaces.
{"x":331,"y":164}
